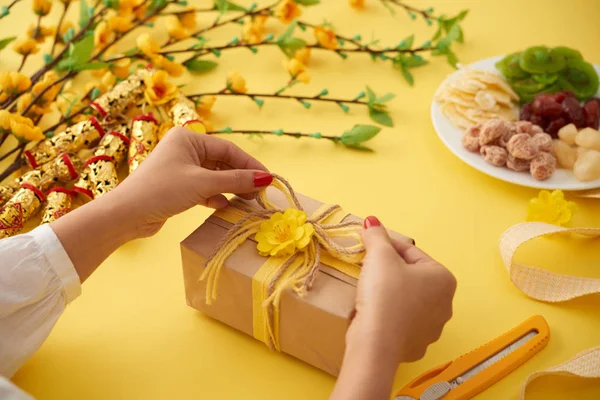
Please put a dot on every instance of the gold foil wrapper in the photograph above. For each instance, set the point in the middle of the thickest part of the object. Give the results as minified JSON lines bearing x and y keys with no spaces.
{"x":62,"y":169}
{"x":83,"y":184}
{"x":144,"y":138}
{"x":122,"y":94}
{"x":102,"y":176}
{"x":24,"y":204}
{"x":115,"y":144}
{"x":6,"y":192}
{"x":58,"y":203}
{"x":183,"y":113}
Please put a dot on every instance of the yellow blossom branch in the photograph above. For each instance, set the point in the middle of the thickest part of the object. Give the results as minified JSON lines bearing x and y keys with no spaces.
{"x":279,"y":96}
{"x":196,"y":10}
{"x":60,"y":22}
{"x":276,"y":132}
{"x":426,"y":14}
{"x":8,"y":7}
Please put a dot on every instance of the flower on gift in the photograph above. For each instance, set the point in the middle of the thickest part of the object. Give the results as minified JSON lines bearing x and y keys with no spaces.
{"x":121,"y":68}
{"x":171,"y":67}
{"x":119,"y":23}
{"x":253,"y":30}
{"x":357,"y":3}
{"x":236,"y":83}
{"x":24,"y":129}
{"x":326,"y":37}
{"x":26,"y":47}
{"x":40,"y":33}
{"x":297,"y":70}
{"x":187,"y":18}
{"x":147,"y":45}
{"x":551,"y":208}
{"x":284,"y":233}
{"x":158,"y":90}
{"x":205,"y":104}
{"x":12,"y":83}
{"x":287,"y":11}
{"x":175,"y":28}
{"x":102,"y":35}
{"x":42,"y":7}
{"x":302,"y":55}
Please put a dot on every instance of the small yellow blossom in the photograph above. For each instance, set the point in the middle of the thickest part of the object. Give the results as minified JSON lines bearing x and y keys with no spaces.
{"x":121,"y":68}
{"x":357,"y":3}
{"x":98,"y":73}
{"x":126,"y":6}
{"x":26,"y":47}
{"x":5,"y":120}
{"x":297,"y":70}
{"x":205,"y":105}
{"x":158,"y":89}
{"x":42,"y":7}
{"x":164,"y":128}
{"x":106,"y":83}
{"x":551,"y":208}
{"x":12,"y":83}
{"x":102,"y":35}
{"x":49,"y":89}
{"x":284,"y":233}
{"x":119,"y":23}
{"x":139,"y":9}
{"x":68,"y":102}
{"x":174,"y":69}
{"x":303,"y":55}
{"x":187,"y":18}
{"x":65,"y":2}
{"x":253,"y":30}
{"x":25,"y":130}
{"x":147,"y":45}
{"x":64,"y":28}
{"x":236,"y":83}
{"x":24,"y":102}
{"x":287,"y":11}
{"x":326,"y":37}
{"x":39,"y":34}
{"x":175,"y":29}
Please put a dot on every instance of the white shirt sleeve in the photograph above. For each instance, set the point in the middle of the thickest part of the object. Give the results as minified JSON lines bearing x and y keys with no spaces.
{"x":37,"y":281}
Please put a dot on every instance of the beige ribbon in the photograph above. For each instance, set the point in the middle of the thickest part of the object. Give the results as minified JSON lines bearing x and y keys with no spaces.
{"x":551,"y":287}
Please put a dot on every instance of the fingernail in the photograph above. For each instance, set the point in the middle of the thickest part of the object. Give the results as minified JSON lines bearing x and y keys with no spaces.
{"x":262,"y":179}
{"x":371,"y":221}
{"x":413,"y":242}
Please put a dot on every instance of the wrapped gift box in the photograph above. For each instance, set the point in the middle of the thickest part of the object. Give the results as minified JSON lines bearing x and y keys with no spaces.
{"x":312,"y":327}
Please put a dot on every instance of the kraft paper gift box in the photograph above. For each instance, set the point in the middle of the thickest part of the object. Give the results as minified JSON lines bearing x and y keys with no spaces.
{"x":312,"y":327}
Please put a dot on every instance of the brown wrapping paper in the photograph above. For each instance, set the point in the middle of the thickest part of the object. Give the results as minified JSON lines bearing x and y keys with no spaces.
{"x":144,"y":138}
{"x":58,"y":203}
{"x":312,"y":328}
{"x":24,"y":204}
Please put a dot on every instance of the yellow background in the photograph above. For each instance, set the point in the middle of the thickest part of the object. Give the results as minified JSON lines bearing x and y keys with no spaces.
{"x":131,"y":335}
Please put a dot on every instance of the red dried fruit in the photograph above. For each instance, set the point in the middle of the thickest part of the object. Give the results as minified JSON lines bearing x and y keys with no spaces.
{"x":570,"y":93}
{"x":526,"y":112}
{"x":559,"y":96}
{"x":591,"y":113}
{"x":539,"y":121}
{"x":554,"y":126}
{"x":545,"y":106}
{"x":573,"y":112}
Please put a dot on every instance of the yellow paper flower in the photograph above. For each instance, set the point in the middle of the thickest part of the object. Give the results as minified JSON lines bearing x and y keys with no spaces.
{"x":50,"y":91}
{"x":12,"y":83}
{"x":297,"y":70}
{"x":42,"y":7}
{"x":26,"y":131}
{"x":26,"y":47}
{"x":119,"y":23}
{"x":139,"y":9}
{"x":147,"y":45}
{"x":253,"y":30}
{"x":64,"y":28}
{"x":39,"y":34}
{"x":172,"y":68}
{"x":205,"y":105}
{"x":187,"y":18}
{"x":175,"y":29}
{"x":236,"y":83}
{"x":326,"y":37}
{"x":126,"y":6}
{"x":284,"y":234}
{"x":303,"y":55}
{"x":5,"y":120}
{"x":102,"y":35}
{"x":287,"y":11}
{"x":158,"y":89}
{"x":357,"y":3}
{"x":551,"y":208}
{"x":24,"y":102}
{"x":121,"y":68}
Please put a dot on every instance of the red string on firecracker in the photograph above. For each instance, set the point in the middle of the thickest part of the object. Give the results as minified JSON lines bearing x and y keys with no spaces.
{"x":65,"y":157}
{"x":192,"y":121}
{"x":99,"y":108}
{"x":102,"y":157}
{"x":79,"y":190}
{"x":98,"y":127}
{"x":35,"y":190}
{"x":145,"y":117}
{"x":124,"y":138}
{"x":60,"y":190}
{"x":30,"y":159}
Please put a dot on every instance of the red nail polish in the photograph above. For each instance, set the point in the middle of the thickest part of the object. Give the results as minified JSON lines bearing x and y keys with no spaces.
{"x":371,"y":221}
{"x":262,"y":179}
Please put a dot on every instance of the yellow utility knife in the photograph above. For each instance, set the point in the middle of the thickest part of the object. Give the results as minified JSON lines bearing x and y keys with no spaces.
{"x":477,"y":370}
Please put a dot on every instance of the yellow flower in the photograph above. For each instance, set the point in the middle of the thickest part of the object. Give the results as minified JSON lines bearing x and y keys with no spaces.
{"x":205,"y":105}
{"x":106,"y":83}
{"x":236,"y":83}
{"x":188,"y":18}
{"x":172,"y":68}
{"x":287,"y":11}
{"x":357,"y":3}
{"x":24,"y":102}
{"x":284,"y":234}
{"x":303,"y":77}
{"x":326,"y":37}
{"x":42,"y":7}
{"x":158,"y":89}
{"x":26,"y":131}
{"x":102,"y":35}
{"x":47,"y":86}
{"x":5,"y":120}
{"x":119,"y":23}
{"x":126,"y":6}
{"x":26,"y":47}
{"x":64,"y":28}
{"x":297,"y":70}
{"x":252,"y":31}
{"x":12,"y":83}
{"x":121,"y":68}
{"x":68,"y":101}
{"x":147,"y":45}
{"x":551,"y":208}
{"x":164,"y":128}
{"x":139,"y":9}
{"x":39,"y":34}
{"x":176,"y":29}
{"x":303,"y":55}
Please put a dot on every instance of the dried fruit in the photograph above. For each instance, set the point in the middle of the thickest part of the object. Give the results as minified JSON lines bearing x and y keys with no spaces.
{"x":591,"y":113}
{"x":573,"y":112}
{"x":554,"y":126}
{"x":587,"y":166}
{"x":567,"y":134}
{"x":565,"y":154}
{"x":588,"y":138}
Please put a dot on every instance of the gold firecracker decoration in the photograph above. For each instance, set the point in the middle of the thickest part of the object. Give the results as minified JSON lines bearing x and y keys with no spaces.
{"x":58,"y":203}
{"x":144,"y":138}
{"x":24,"y":204}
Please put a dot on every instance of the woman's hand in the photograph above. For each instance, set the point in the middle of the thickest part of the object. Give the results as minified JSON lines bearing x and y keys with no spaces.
{"x":404,"y":299}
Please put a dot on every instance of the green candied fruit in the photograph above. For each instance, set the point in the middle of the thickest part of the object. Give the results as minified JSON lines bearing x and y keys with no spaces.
{"x":580,"y":77}
{"x":568,"y":53}
{"x":510,"y":68}
{"x":541,"y":60}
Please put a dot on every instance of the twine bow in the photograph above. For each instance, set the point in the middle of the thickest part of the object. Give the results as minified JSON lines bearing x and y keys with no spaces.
{"x":296,"y":271}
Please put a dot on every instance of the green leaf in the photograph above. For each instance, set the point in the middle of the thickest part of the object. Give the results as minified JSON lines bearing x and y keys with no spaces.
{"x":381,"y":117}
{"x":290,"y":45}
{"x":344,"y":107}
{"x":371,"y":95}
{"x":443,"y":45}
{"x":6,"y":41}
{"x":155,"y":5}
{"x":454,"y":33}
{"x":95,"y":93}
{"x":389,"y":7}
{"x":308,"y":3}
{"x":48,"y":58}
{"x":452,"y":59}
{"x":438,"y":34}
{"x":406,"y":43}
{"x":92,"y":65}
{"x":4,"y":11}
{"x":462,"y":15}
{"x":259,"y":102}
{"x":359,"y":134}
{"x":316,"y":135}
{"x":200,"y":65}
{"x":306,"y":104}
{"x":359,"y":147}
{"x":414,"y":61}
{"x":84,"y":14}
{"x":385,"y":98}
{"x":81,"y":51}
{"x":67,"y":64}
{"x":288,"y":32}
{"x":114,"y":4}
{"x":68,"y":35}
{"x":223,"y":6}
{"x":407,"y":75}
{"x":131,"y":52}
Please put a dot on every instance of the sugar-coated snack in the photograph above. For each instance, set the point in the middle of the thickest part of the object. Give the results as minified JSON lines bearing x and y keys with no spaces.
{"x":493,"y":130}
{"x":524,"y":127}
{"x":494,"y":155}
{"x":565,"y":155}
{"x":588,"y":138}
{"x":543,"y":141}
{"x":542,"y":166}
{"x":536,"y":129}
{"x":517,"y":164}
{"x":587,"y":166}
{"x":567,"y":134}
{"x":522,"y":146}
{"x":470,"y":139}
{"x":512,"y":131}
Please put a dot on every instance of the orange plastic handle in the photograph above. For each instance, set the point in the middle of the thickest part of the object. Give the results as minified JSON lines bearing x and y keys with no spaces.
{"x":490,"y":375}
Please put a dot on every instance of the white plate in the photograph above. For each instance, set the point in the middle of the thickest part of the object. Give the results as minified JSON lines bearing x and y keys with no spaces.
{"x":452,"y":138}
